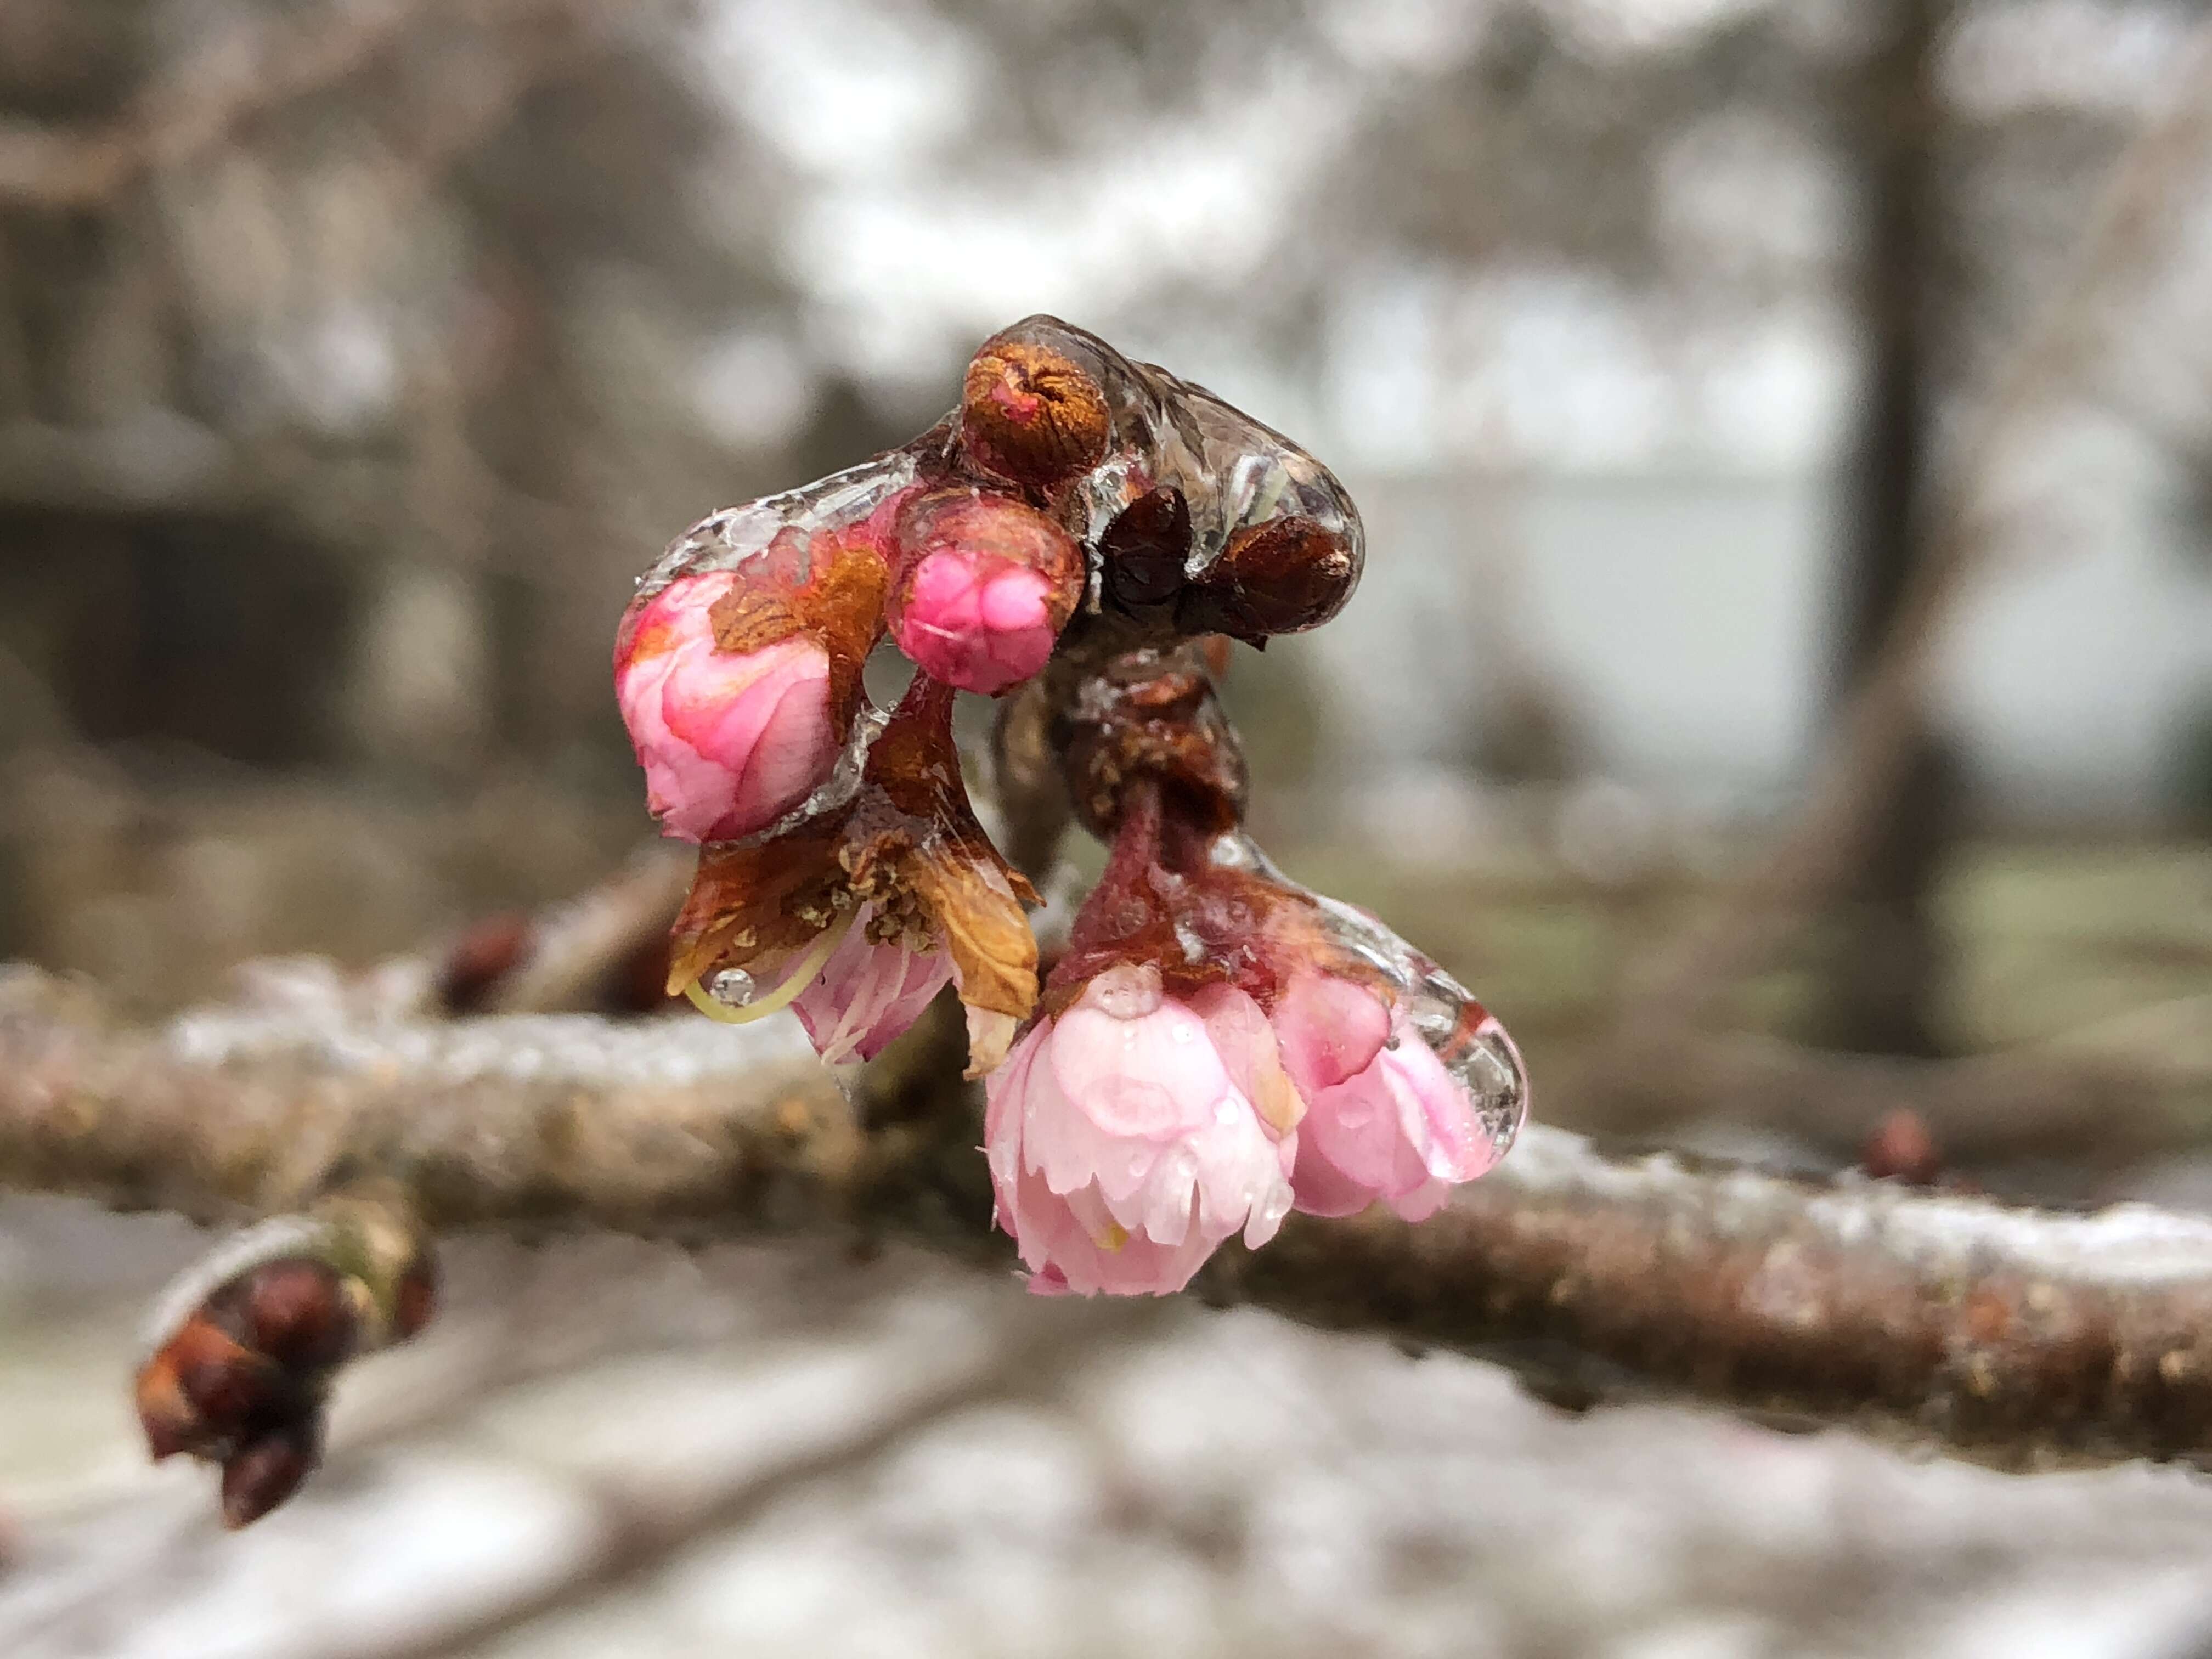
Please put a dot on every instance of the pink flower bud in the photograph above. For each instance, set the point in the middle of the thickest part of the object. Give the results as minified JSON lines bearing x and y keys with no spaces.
{"x":868,"y":992}
{"x":1384,"y":1117}
{"x":1121,"y":1147}
{"x":976,"y":622}
{"x":988,"y":585}
{"x":730,"y":741}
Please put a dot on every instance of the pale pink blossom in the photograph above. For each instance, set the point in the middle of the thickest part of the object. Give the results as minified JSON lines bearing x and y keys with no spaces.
{"x":869,"y":993}
{"x":730,"y":741}
{"x":1384,"y":1117}
{"x":1122,"y":1146}
{"x":975,"y":620}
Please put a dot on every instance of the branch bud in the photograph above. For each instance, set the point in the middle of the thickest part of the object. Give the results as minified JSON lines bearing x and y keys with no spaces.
{"x":1281,"y":577}
{"x":245,"y":1343}
{"x":1143,"y":554}
{"x":1031,"y":414}
{"x":1154,"y":716}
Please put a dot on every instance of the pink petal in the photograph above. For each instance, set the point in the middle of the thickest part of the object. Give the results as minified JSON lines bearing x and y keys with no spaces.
{"x":1436,"y":1114}
{"x":1153,"y":1077}
{"x":868,"y":994}
{"x":974,"y":621}
{"x":1246,"y":1042}
{"x":1329,"y":1029}
{"x":1404,"y":1129}
{"x":1110,"y":1187}
{"x":730,"y":741}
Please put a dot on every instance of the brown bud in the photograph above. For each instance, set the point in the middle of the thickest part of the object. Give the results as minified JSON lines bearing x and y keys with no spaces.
{"x":1031,"y":414}
{"x":201,"y":1388}
{"x":1280,"y":577}
{"x":483,"y":954}
{"x":416,"y":1298}
{"x":268,"y":1469}
{"x":1900,"y":1148}
{"x":169,"y":1422}
{"x":296,"y":1313}
{"x":1142,"y":555}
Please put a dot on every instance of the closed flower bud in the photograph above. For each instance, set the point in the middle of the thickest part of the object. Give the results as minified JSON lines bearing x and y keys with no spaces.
{"x":1124,"y":1141}
{"x":730,"y":741}
{"x":986,"y":585}
{"x":1384,"y":1119}
{"x":1030,"y":414}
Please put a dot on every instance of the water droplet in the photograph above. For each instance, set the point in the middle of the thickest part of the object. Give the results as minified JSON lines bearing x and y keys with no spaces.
{"x":1491,"y":1068}
{"x":733,"y":988}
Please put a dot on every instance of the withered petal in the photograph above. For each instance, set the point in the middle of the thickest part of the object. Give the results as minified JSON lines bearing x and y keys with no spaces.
{"x":978,"y":907}
{"x":738,"y":906}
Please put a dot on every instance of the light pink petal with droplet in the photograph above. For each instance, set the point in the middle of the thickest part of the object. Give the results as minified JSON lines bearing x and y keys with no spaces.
{"x":1329,"y":1030}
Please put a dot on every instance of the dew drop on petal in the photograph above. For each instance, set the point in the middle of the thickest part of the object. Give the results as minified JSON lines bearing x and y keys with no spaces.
{"x":1491,"y":1068}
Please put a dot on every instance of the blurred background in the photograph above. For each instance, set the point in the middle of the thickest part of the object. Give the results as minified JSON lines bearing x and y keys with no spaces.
{"x":354,"y":354}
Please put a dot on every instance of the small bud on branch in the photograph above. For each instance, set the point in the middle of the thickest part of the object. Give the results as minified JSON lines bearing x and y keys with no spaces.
{"x":243,"y":1346}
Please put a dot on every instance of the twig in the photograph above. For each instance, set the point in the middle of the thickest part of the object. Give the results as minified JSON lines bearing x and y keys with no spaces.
{"x":580,"y":956}
{"x":2010,"y":1335}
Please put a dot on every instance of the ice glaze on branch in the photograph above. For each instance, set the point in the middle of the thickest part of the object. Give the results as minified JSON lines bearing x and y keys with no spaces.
{"x":2013,"y":1336}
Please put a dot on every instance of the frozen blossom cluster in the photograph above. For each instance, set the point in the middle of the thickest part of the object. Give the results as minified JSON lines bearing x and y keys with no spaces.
{"x":1081,"y":538}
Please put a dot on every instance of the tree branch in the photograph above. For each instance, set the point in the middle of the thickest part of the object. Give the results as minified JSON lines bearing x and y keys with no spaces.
{"x":2016,"y":1337}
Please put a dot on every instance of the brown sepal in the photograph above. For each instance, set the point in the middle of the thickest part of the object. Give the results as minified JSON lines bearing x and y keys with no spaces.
{"x":1143,"y":552}
{"x":1172,"y":895}
{"x":977,"y":901}
{"x":750,"y":898}
{"x":1152,"y":714}
{"x":829,"y":584}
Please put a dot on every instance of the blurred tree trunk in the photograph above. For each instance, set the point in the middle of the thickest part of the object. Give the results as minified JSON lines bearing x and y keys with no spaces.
{"x":1885,"y":954}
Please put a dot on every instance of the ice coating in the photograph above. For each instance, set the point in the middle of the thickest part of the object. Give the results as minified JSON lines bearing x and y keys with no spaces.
{"x":1473,"y":1045}
{"x":1137,"y":519}
{"x":1235,"y":473}
{"x":732,"y":537}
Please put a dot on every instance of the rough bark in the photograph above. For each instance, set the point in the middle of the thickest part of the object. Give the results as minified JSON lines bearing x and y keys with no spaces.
{"x":2012,"y":1336}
